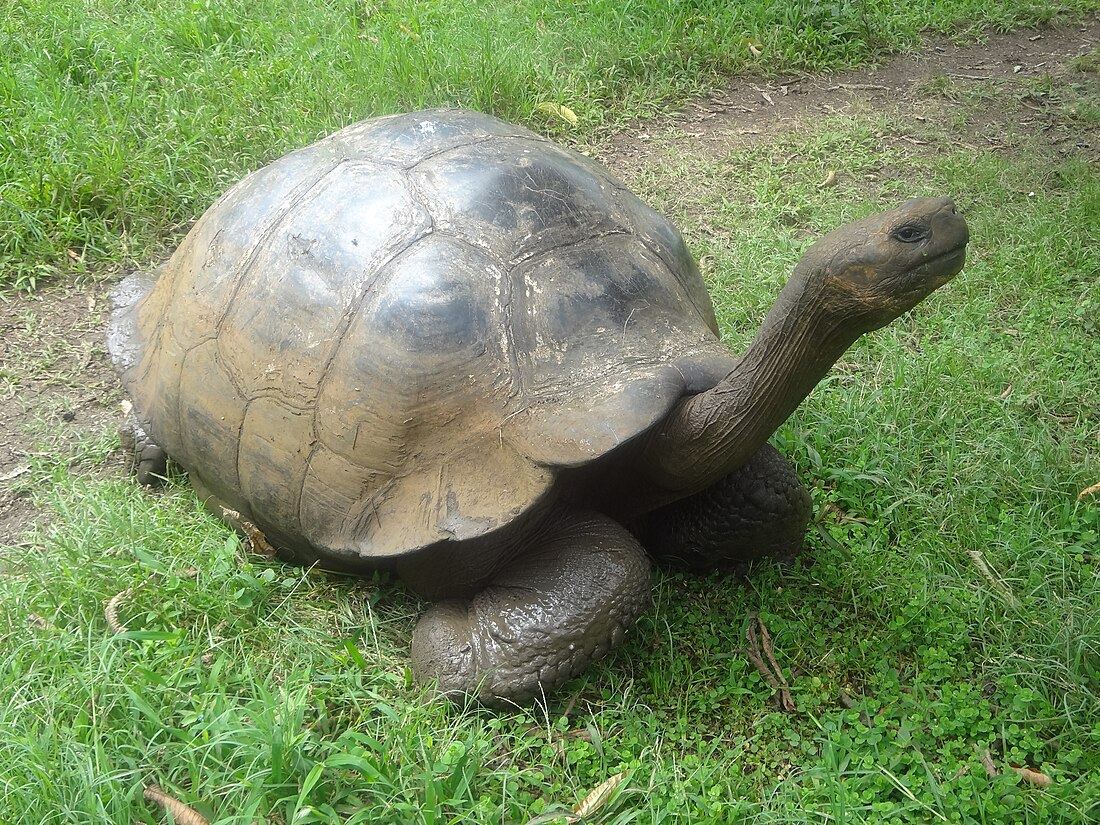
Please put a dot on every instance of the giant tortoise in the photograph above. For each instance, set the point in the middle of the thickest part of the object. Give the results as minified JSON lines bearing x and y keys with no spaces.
{"x":441,"y":345}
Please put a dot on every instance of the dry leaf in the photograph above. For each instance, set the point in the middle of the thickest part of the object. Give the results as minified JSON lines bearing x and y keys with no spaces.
{"x":830,"y":180}
{"x":1007,"y":392}
{"x":847,"y":701}
{"x":36,"y":621}
{"x":408,"y":31}
{"x":557,"y":110}
{"x":987,"y":762}
{"x":182,"y":814}
{"x":257,"y":540}
{"x":1033,"y":777}
{"x":255,"y":537}
{"x":756,"y":51}
{"x":561,"y":815}
{"x":110,"y":610}
{"x":600,"y":794}
{"x":994,"y":580}
{"x":1088,"y":491}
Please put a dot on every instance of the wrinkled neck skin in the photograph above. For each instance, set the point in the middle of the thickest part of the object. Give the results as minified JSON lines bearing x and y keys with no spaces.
{"x":709,"y":435}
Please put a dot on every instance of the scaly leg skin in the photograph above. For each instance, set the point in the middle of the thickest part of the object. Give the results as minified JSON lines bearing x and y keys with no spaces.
{"x":150,"y":460}
{"x":759,"y":511}
{"x":565,"y":601}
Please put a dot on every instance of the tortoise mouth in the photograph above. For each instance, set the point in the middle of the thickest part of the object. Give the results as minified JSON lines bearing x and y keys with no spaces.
{"x":945,"y":266}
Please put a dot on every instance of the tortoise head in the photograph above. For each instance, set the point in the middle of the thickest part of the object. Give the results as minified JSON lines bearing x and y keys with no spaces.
{"x":869,"y":272}
{"x":852,"y":281}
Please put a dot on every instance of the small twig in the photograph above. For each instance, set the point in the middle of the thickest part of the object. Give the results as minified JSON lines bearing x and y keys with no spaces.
{"x":962,"y":771}
{"x":770,"y":653}
{"x":507,"y":418}
{"x":770,"y":670}
{"x":181,"y":814}
{"x":871,"y":87}
{"x":753,"y":655}
{"x":572,"y":702}
{"x":15,"y":472}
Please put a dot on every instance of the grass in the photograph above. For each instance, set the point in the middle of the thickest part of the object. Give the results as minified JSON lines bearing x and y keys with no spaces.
{"x":970,"y":428}
{"x":954,"y":592}
{"x":124,"y":120}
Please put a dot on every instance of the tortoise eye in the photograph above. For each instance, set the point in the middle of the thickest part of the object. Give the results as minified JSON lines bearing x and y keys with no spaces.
{"x":909,"y":233}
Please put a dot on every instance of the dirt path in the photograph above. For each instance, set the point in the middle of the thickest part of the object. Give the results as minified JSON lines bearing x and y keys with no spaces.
{"x":1002,"y":89}
{"x":57,"y":391}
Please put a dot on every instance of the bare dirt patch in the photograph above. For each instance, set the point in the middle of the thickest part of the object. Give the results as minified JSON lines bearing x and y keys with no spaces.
{"x":57,"y":390}
{"x":1013,"y":85}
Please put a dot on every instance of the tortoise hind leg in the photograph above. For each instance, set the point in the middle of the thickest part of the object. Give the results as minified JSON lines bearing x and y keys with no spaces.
{"x":567,"y":600}
{"x":150,"y":462}
{"x":759,"y":511}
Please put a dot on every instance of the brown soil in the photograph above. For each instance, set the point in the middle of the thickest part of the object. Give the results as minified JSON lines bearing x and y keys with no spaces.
{"x":56,"y":388}
{"x":996,"y":93}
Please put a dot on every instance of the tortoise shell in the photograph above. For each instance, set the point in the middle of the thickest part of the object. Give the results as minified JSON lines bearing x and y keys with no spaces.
{"x":400,"y":335}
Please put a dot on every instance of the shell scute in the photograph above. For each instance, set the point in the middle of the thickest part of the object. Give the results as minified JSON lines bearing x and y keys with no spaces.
{"x":518,"y":198}
{"x":212,"y":412}
{"x":408,"y":139}
{"x":421,"y":351}
{"x":205,"y":272}
{"x":292,"y":302}
{"x":275,"y":444}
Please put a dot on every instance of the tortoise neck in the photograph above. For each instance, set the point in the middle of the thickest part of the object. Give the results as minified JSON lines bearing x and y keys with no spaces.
{"x":709,"y":435}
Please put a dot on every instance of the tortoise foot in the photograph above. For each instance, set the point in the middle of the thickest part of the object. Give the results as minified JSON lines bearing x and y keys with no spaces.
{"x":759,"y":511}
{"x":150,"y":461}
{"x":565,"y":602}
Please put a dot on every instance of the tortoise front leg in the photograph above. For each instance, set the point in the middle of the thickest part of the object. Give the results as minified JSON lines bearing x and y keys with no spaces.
{"x":759,"y":511}
{"x":565,"y":601}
